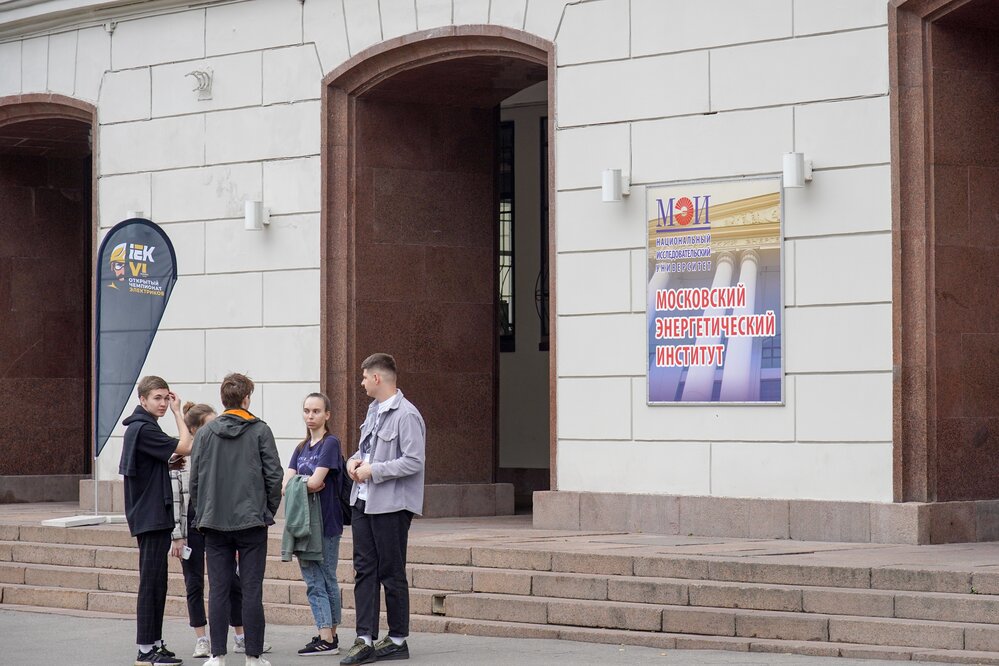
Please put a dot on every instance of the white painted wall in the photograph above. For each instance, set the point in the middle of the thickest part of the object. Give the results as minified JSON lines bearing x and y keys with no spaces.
{"x":667,"y":89}
{"x":680,"y":90}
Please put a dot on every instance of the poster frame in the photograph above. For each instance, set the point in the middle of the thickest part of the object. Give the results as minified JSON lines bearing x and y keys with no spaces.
{"x":649,"y":187}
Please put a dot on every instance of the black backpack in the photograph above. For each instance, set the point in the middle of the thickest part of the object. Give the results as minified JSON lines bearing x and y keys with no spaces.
{"x":343,"y":492}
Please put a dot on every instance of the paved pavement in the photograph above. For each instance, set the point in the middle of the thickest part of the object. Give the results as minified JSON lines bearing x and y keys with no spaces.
{"x":33,"y":638}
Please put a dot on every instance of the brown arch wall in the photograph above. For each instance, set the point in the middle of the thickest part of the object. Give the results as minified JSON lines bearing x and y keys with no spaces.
{"x":944,"y":85}
{"x":346,"y":239}
{"x":48,"y":205}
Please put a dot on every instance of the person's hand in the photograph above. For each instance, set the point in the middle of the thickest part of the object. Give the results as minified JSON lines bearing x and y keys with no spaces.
{"x":362,"y":472}
{"x":177,"y":549}
{"x":352,"y":465}
{"x":174,"y":402}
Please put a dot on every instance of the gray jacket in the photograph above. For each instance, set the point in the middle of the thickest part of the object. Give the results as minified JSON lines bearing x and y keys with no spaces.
{"x":235,"y":473}
{"x":398,"y":453}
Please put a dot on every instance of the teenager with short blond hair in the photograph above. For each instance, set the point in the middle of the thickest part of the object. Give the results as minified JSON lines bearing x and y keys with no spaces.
{"x":149,"y":508}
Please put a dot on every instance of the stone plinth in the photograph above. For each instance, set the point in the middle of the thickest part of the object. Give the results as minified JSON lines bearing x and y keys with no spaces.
{"x":805,"y":520}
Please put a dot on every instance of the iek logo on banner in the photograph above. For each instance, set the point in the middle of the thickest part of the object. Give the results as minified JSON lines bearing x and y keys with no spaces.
{"x":133,"y":257}
{"x":139,"y":258}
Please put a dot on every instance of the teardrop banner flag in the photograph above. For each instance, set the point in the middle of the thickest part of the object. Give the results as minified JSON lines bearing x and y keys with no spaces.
{"x":136,"y":272}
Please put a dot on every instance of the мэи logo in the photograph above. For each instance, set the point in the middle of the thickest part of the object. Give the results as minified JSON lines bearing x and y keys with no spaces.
{"x":684,"y":212}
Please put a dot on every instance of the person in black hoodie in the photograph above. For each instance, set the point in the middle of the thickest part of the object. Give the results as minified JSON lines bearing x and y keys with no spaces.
{"x":149,"y":508}
{"x":235,"y":490}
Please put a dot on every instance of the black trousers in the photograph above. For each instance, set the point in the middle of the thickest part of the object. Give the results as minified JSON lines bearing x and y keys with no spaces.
{"x":194,"y":581}
{"x":220,"y":549}
{"x":154,"y":549}
{"x":380,"y":561}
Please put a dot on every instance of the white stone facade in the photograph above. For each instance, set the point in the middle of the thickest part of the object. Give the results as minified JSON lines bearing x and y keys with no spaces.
{"x":668,"y":90}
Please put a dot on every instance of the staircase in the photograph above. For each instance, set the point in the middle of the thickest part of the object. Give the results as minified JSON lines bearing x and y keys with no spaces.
{"x":553,"y":587}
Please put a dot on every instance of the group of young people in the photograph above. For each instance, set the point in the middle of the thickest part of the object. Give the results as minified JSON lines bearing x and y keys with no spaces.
{"x":209,"y":496}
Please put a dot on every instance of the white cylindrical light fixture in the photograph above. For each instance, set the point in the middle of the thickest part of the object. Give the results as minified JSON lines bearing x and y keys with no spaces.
{"x":794,"y":170}
{"x":611,"y":189}
{"x":254,"y":216}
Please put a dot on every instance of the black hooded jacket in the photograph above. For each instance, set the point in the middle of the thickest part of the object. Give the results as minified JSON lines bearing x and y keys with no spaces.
{"x":235,"y":473}
{"x":144,"y":456}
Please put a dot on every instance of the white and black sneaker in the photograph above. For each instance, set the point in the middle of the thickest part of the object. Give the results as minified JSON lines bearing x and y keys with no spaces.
{"x":156,"y":657}
{"x":318,"y":646}
{"x":239,"y":645}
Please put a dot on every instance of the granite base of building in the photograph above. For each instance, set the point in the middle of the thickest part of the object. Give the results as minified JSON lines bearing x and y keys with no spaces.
{"x":803,"y":520}
{"x":39,"y":488}
{"x":465,"y":500}
{"x":447,"y":500}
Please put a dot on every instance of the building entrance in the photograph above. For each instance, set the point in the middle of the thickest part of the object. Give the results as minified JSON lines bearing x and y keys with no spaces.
{"x":419,"y":244}
{"x":45,"y":250}
{"x":946,"y":298}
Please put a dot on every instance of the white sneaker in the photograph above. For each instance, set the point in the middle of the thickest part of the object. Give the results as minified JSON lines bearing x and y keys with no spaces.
{"x":239,"y":645}
{"x":216,"y":661}
{"x":257,"y":661}
{"x":202,"y":648}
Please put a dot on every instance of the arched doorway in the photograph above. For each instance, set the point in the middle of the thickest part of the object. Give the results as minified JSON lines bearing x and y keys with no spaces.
{"x":46,"y":240}
{"x":412,"y":237}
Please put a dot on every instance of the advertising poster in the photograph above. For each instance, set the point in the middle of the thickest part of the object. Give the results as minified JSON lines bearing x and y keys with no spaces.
{"x":714,"y":304}
{"x":136,"y":271}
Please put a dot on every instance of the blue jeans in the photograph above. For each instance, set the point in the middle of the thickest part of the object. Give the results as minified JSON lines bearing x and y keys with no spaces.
{"x":321,"y":584}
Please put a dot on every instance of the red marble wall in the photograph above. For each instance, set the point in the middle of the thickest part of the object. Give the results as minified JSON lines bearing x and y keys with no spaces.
{"x":426,"y":270}
{"x":965,"y":186}
{"x":45,"y":231}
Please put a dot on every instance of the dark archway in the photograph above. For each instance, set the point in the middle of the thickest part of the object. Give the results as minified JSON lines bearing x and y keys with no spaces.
{"x":409,"y":235}
{"x":47,"y":195}
{"x":944,"y":68}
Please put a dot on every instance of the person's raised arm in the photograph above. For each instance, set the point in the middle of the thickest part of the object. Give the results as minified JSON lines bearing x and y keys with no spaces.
{"x":186,"y":438}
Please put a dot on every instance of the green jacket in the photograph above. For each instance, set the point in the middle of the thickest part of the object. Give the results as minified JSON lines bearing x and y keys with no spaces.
{"x":235,"y":474}
{"x":303,"y":522}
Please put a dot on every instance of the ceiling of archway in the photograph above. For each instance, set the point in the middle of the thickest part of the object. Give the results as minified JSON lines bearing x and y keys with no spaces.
{"x":475,"y":81}
{"x":49,"y":137}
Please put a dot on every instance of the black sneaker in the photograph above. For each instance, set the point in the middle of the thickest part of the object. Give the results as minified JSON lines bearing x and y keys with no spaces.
{"x":156,"y":658}
{"x":386,"y":649}
{"x":319,"y":646}
{"x":164,"y":651}
{"x":359,"y":653}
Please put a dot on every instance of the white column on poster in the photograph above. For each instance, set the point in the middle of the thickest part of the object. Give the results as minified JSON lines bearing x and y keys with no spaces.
{"x":737,"y":374}
{"x":701,"y":379}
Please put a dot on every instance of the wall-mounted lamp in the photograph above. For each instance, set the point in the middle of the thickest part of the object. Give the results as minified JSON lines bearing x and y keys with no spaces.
{"x":797,"y":170}
{"x":255,"y":216}
{"x":614,"y":185}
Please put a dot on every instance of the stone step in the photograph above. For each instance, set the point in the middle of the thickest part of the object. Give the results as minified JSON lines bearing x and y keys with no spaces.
{"x":717,"y":594}
{"x":976,"y":608}
{"x":300,"y":615}
{"x":741,"y":623}
{"x":672,"y":566}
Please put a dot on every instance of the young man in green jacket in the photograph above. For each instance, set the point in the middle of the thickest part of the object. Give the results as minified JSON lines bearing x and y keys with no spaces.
{"x":236,"y":489}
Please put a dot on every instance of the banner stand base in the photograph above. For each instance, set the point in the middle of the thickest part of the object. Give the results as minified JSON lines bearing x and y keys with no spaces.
{"x":76,"y":521}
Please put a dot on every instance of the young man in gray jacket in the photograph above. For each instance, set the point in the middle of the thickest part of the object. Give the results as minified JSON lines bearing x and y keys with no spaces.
{"x":235,"y":489}
{"x":388,"y":490}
